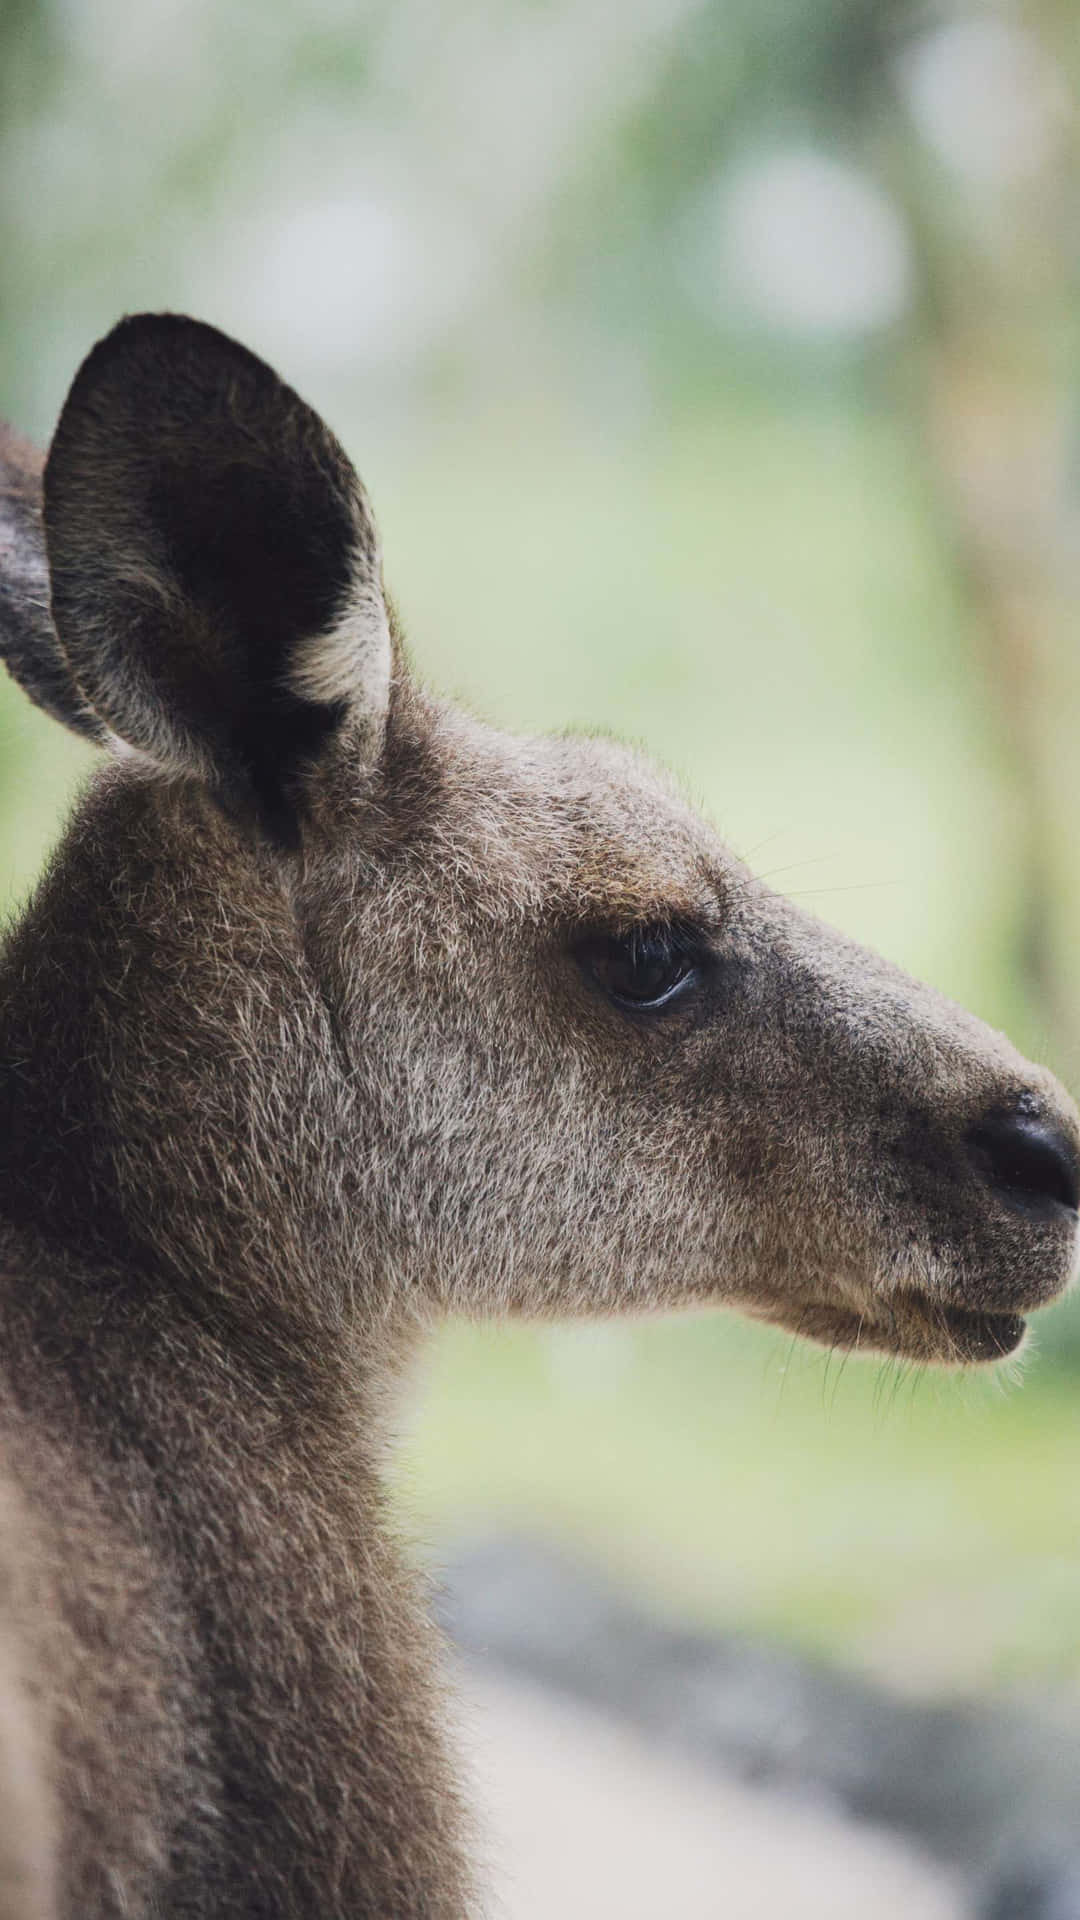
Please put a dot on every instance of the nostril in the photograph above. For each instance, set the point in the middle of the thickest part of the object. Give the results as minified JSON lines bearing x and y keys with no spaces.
{"x":1032,"y":1163}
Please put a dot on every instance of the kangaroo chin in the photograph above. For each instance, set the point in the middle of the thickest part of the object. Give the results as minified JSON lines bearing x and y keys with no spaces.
{"x":337,"y":1011}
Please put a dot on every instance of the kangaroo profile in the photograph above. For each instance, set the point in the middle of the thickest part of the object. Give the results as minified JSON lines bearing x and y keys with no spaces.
{"x":336,"y":1012}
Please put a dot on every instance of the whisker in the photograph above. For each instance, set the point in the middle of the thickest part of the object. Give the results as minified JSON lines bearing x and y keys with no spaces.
{"x":796,"y":866}
{"x":786,"y":1368}
{"x":749,"y":852}
{"x":856,"y":886}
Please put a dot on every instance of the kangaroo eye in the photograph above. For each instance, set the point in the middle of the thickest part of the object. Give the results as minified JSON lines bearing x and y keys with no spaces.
{"x":643,"y":969}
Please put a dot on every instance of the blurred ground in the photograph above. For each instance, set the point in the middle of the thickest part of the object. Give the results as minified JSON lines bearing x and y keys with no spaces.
{"x":989,"y":1791}
{"x":585,"y":1819}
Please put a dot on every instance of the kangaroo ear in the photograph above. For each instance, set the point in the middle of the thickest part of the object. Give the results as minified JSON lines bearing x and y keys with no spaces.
{"x":216,"y":574}
{"x":29,"y":645}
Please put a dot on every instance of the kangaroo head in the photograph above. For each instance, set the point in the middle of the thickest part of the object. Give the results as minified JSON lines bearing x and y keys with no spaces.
{"x":447,"y":1018}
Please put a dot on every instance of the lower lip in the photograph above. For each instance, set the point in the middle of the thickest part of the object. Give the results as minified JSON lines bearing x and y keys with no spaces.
{"x":982,"y":1336}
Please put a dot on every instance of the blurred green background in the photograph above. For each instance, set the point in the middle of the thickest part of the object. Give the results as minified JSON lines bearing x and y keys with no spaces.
{"x":712,"y":366}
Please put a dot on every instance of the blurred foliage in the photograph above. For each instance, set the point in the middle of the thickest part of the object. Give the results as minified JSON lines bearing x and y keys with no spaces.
{"x":732,"y":77}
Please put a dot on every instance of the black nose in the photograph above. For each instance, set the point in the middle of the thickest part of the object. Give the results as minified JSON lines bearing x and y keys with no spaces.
{"x":1032,"y":1164}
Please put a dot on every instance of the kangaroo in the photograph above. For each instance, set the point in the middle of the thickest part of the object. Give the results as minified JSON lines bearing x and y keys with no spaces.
{"x":335,"y":1012}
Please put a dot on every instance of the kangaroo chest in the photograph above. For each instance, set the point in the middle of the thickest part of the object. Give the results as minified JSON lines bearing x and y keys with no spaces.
{"x":233,"y":1665}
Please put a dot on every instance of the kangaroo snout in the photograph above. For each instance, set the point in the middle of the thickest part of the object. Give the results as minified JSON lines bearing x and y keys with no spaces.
{"x":1025,"y":1155}
{"x":1029,"y":1160}
{"x":932,"y":1173}
{"x":999,"y":1230}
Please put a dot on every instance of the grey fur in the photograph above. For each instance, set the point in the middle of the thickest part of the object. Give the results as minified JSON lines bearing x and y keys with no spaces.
{"x":295,"y":1059}
{"x":29,"y":643}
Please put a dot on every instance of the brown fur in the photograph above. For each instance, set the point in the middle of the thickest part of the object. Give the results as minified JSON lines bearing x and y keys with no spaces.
{"x":299,"y":1052}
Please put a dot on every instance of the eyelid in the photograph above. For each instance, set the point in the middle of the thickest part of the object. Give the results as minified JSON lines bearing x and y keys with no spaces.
{"x":682,"y":933}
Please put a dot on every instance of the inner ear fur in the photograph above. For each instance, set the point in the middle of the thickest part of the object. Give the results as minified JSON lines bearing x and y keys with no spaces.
{"x":215,"y":567}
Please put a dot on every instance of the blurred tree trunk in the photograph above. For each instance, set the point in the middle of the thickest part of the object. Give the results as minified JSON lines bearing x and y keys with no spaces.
{"x":996,"y":431}
{"x":999,"y":407}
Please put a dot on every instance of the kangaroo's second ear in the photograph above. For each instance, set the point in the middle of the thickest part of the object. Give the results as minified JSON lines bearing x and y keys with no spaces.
{"x":29,"y":646}
{"x":216,"y":574}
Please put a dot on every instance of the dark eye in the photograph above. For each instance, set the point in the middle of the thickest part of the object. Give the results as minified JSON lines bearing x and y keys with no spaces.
{"x":644,"y":968}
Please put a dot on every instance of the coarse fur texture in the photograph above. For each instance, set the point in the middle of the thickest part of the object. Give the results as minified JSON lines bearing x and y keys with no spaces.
{"x":304,"y":1042}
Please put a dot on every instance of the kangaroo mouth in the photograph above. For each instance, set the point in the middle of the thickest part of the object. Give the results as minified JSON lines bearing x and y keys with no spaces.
{"x":982,"y":1336}
{"x":924,"y":1329}
{"x":911,"y":1326}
